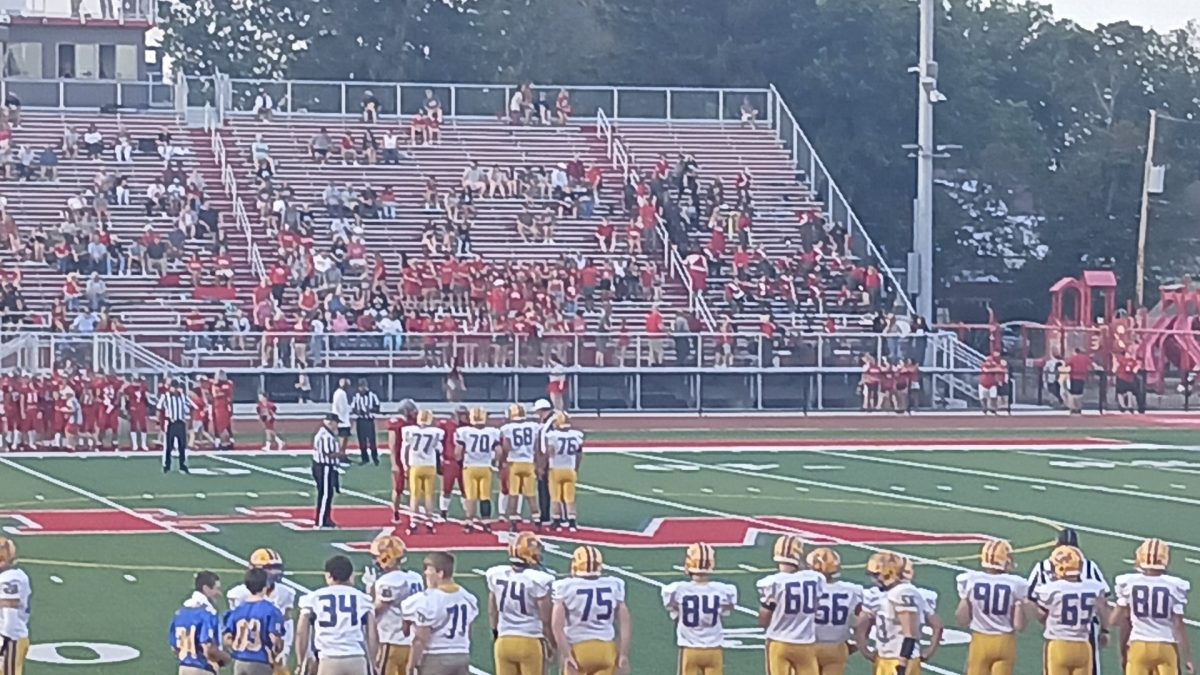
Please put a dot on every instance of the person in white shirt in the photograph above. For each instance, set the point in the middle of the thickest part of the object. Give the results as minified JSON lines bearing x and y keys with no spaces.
{"x":389,"y":589}
{"x":441,"y":618}
{"x":1150,"y":614}
{"x":837,"y":611}
{"x":518,"y":461}
{"x":519,"y":608}
{"x":1067,"y":606}
{"x":698,"y":607}
{"x":788,"y":602}
{"x":15,"y":591}
{"x":420,"y":447}
{"x":280,"y":595}
{"x":341,"y":407}
{"x":563,"y":447}
{"x":339,"y":620}
{"x":475,"y":447}
{"x":991,"y":605}
{"x":896,"y":612}
{"x":591,"y":623}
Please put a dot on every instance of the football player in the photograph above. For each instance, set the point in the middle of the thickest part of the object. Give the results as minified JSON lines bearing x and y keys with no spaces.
{"x":519,"y":608}
{"x":990,"y":604}
{"x":253,"y":631}
{"x":592,"y":626}
{"x":280,"y":595}
{"x":405,"y":417}
{"x":518,"y":457}
{"x":389,"y":590}
{"x":441,"y":618}
{"x":564,"y":453}
{"x":896,"y":612}
{"x":334,"y":618}
{"x":452,"y":470}
{"x":195,"y":631}
{"x":422,"y":444}
{"x":1066,"y":606}
{"x":697,"y":607}
{"x":14,"y":611}
{"x":837,"y":610}
{"x":788,"y":601}
{"x":475,"y":449}
{"x":1150,"y":606}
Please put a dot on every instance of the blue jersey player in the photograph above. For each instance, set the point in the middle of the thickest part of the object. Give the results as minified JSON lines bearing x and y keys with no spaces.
{"x":254,"y":629}
{"x":195,"y":633}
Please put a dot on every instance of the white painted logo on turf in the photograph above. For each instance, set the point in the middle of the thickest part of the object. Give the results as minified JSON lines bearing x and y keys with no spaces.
{"x":219,"y":471}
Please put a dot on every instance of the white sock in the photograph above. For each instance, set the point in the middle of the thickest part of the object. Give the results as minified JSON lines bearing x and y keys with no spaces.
{"x":142,"y":435}
{"x":58,"y":440}
{"x":444,"y":503}
{"x":502,"y":506}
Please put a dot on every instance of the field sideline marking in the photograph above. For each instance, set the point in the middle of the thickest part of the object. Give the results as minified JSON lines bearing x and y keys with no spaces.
{"x":212,"y":548}
{"x":1032,"y":481}
{"x":616,"y":569}
{"x":1132,"y":465}
{"x":926,"y":500}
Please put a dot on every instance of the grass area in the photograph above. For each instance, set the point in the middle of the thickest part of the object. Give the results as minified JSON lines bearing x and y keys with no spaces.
{"x":133,"y":582}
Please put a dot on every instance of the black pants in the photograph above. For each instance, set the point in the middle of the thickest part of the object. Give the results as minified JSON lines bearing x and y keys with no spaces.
{"x":368,"y":445}
{"x":544,"y":499}
{"x":176,"y":442}
{"x":326,"y":478}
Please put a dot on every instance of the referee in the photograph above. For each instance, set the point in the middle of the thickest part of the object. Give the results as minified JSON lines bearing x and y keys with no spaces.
{"x":545,"y":417}
{"x":176,"y":409}
{"x":365,"y":406}
{"x":1043,"y":573}
{"x":327,"y":453}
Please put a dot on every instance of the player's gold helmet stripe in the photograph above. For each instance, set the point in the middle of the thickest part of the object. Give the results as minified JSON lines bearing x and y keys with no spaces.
{"x":1153,"y":554}
{"x":425,"y":417}
{"x":700,"y":558}
{"x":525,"y":549}
{"x":789,"y":549}
{"x":825,"y":560}
{"x":587,"y":561}
{"x":886,"y":566}
{"x":996,"y":555}
{"x":516,"y":411}
{"x":478,"y":416}
{"x":8,"y":550}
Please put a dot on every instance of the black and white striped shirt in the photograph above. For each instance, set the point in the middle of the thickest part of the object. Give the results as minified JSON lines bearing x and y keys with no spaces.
{"x":365,"y":406}
{"x":325,"y":447}
{"x":175,"y":406}
{"x":1043,"y":573}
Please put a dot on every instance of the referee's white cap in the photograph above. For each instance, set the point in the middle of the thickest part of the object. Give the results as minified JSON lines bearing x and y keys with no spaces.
{"x":541,"y":405}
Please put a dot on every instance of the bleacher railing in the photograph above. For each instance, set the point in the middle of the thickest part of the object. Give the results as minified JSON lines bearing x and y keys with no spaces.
{"x":89,"y":94}
{"x":85,"y":11}
{"x":229,"y":181}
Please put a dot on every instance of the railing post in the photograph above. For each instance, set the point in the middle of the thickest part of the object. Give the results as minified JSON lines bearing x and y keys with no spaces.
{"x":616,"y":103}
{"x":400,"y":103}
{"x":669,"y":115}
{"x":290,"y":98}
{"x":454,"y":101}
{"x":342,"y":86}
{"x":721,"y":105}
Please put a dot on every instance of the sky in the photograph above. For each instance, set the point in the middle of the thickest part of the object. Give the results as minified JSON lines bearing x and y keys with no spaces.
{"x":1161,"y":15}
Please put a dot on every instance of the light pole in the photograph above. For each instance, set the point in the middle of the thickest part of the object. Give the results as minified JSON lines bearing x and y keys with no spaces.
{"x":920,"y":262}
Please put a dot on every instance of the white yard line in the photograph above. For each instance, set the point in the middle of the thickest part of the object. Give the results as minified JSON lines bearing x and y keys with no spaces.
{"x":1132,"y":465}
{"x":1032,"y":481}
{"x":553,"y":551}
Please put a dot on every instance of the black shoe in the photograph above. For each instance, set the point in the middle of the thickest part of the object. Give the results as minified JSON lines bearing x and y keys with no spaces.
{"x":411,"y":530}
{"x":468,"y":529}
{"x":184,"y":469}
{"x":329,"y":526}
{"x":429,"y":527}
{"x":396,"y":515}
{"x":363,"y":462}
{"x":375,"y":460}
{"x":513,"y":526}
{"x":166,"y":469}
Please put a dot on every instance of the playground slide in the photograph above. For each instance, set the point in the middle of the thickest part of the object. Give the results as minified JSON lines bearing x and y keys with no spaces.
{"x":1150,"y":352}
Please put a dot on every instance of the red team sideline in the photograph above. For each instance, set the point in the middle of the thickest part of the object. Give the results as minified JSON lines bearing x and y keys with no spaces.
{"x":73,"y":409}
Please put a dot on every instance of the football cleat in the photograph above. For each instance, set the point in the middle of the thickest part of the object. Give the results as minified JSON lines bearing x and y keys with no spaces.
{"x":1066,"y":561}
{"x":826,"y":561}
{"x":700,"y":558}
{"x":886,"y":567}
{"x":789,"y":550}
{"x":1153,"y":554}
{"x":996,"y":555}
{"x":388,"y":551}
{"x":587,"y":561}
{"x":525,"y":549}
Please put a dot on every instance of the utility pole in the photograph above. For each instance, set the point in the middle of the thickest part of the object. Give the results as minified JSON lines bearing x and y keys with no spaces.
{"x":921,"y":259}
{"x":1142,"y":221}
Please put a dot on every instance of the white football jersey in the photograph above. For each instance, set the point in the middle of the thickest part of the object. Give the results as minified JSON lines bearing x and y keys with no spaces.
{"x":448,"y":612}
{"x":283,"y":597}
{"x":993,"y":600}
{"x":698,"y":610}
{"x":1070,"y":607}
{"x":517,"y":593}
{"x":795,"y":597}
{"x":900,"y":599}
{"x":563,"y":446}
{"x":522,"y":439}
{"x":422,"y":445}
{"x":1153,"y":602}
{"x":839,"y":604}
{"x":479,"y":445}
{"x":393,"y":588}
{"x":14,"y":585}
{"x":339,"y":619}
{"x":591,"y":607}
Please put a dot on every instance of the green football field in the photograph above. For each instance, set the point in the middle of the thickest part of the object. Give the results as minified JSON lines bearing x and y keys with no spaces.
{"x":111,"y":543}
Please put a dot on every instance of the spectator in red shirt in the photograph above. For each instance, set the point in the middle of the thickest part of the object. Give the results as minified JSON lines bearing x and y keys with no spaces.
{"x":1079,"y":365}
{"x":278,"y":277}
{"x":654,"y":335}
